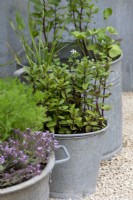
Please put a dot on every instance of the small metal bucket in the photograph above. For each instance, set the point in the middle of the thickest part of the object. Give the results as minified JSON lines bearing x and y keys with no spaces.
{"x":77,"y":178}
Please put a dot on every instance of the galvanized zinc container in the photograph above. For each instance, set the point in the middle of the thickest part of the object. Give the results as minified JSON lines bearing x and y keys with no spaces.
{"x":77,"y":178}
{"x":36,"y":188}
{"x":113,"y":138}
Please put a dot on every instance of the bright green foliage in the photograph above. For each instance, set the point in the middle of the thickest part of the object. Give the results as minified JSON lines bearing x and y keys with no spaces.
{"x":41,"y":42}
{"x":18,"y":108}
{"x":107,"y":13}
{"x":73,"y":94}
{"x":104,"y":45}
{"x":48,"y":15}
{"x":48,"y":20}
{"x":93,"y":42}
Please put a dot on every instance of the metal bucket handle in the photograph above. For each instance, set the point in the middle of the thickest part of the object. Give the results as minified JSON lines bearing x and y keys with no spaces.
{"x":65,"y":159}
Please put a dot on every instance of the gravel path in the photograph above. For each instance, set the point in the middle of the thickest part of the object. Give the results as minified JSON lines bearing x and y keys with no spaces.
{"x":115,"y":181}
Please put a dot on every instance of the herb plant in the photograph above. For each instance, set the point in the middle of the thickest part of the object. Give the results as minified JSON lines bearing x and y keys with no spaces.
{"x":48,"y":21}
{"x":41,"y":35}
{"x":18,"y":108}
{"x":92,"y":41}
{"x":50,"y":16}
{"x":73,"y":94}
{"x":24,"y":155}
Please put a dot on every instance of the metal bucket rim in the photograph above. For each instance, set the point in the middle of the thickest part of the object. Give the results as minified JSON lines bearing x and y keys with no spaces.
{"x":32,"y":181}
{"x":22,"y":71}
{"x":81,"y":135}
{"x":117,"y":60}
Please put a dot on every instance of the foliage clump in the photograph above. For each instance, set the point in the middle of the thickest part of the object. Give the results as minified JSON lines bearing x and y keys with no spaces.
{"x":18,"y":108}
{"x":73,"y":94}
{"x":24,"y":155}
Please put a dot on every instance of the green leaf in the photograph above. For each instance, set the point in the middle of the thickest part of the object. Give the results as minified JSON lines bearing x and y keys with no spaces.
{"x":88,"y":129}
{"x":38,"y":22}
{"x":64,"y":131}
{"x":51,"y":124}
{"x":64,"y":108}
{"x":35,"y":33}
{"x":20,"y":21}
{"x":51,"y":129}
{"x":61,"y":117}
{"x":78,"y":121}
{"x":107,"y":13}
{"x":94,"y":123}
{"x":1,"y":168}
{"x":90,"y":113}
{"x":111,"y":30}
{"x":62,"y":101}
{"x":79,"y":35}
{"x":12,"y":25}
{"x":63,"y":122}
{"x":38,"y":2}
{"x":106,"y":107}
{"x":96,"y":10}
{"x":36,"y":15}
{"x":47,"y":119}
{"x":101,"y":32}
{"x":85,"y":86}
{"x":55,"y":2}
{"x":115,"y":51}
{"x":93,"y":47}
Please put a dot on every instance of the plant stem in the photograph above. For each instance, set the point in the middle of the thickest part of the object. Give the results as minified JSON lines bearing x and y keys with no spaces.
{"x":81,"y":14}
{"x":84,"y":92}
{"x":74,"y":18}
{"x":44,"y":23}
{"x":55,"y":23}
{"x":97,"y":97}
{"x":73,"y":82}
{"x":103,"y":99}
{"x":81,"y":30}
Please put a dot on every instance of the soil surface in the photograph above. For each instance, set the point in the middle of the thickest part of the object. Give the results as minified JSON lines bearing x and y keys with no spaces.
{"x":115,"y":181}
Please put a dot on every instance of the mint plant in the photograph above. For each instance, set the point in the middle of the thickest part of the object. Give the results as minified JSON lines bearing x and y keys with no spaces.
{"x":50,"y":15}
{"x":92,"y":41}
{"x":73,"y":94}
{"x":80,"y":14}
{"x":48,"y":20}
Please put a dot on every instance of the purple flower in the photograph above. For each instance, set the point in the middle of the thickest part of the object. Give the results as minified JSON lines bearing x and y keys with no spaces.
{"x":2,"y":159}
{"x":25,"y":155}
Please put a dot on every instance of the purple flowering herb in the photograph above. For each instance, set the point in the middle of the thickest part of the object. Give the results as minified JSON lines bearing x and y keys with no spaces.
{"x":24,"y":156}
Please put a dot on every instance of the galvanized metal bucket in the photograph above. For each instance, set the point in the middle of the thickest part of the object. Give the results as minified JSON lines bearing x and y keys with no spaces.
{"x":36,"y":188}
{"x":113,"y":138}
{"x":77,"y":178}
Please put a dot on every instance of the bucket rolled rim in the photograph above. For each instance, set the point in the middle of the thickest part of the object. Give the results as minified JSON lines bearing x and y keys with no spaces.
{"x":22,"y":71}
{"x":48,"y":168}
{"x":117,"y":60}
{"x":80,"y":135}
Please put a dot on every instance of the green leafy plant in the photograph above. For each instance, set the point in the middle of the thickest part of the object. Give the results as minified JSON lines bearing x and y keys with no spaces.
{"x":73,"y":94}
{"x":50,"y":15}
{"x":18,"y":108}
{"x":40,"y":36}
{"x":47,"y":23}
{"x":92,"y":41}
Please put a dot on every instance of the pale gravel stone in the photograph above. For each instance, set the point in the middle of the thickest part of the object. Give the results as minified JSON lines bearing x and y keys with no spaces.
{"x":115,"y":181}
